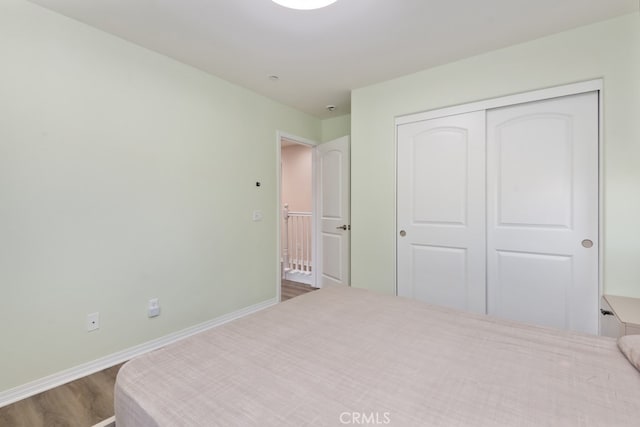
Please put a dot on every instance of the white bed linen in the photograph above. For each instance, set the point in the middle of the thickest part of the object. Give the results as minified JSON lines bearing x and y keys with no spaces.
{"x":341,"y":355}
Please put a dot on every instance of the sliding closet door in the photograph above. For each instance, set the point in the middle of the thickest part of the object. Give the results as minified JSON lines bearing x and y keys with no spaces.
{"x":441,"y":211}
{"x":542,"y":212}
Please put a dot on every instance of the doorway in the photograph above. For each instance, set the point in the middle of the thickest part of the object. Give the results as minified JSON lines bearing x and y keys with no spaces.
{"x":314,"y":227}
{"x":296,"y":220}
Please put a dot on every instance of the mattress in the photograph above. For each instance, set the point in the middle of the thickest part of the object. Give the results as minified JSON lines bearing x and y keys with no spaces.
{"x":344,"y":356}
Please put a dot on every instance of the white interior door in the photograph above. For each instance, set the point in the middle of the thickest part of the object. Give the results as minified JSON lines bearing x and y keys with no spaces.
{"x":333,"y":212}
{"x":441,"y":211}
{"x":542,"y":211}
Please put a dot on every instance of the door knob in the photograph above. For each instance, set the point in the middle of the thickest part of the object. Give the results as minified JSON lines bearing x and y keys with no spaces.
{"x":342,"y":227}
{"x":587,"y":243}
{"x":403,"y":233}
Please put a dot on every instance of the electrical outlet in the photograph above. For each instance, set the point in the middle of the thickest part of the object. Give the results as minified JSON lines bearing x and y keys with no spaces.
{"x":93,"y":321}
{"x":153,"y":308}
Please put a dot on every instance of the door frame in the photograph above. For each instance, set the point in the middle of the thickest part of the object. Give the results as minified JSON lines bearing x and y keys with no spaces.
{"x":280,"y":135}
{"x":595,"y":85}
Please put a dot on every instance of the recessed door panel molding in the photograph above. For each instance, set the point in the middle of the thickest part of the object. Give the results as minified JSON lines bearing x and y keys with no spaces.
{"x":331,"y":254}
{"x":440,"y":155}
{"x":514,"y":187}
{"x":532,"y":288}
{"x":535,"y":174}
{"x":334,"y":220}
{"x":331,"y":184}
{"x":441,"y":198}
{"x":439,"y":274}
{"x":542,"y":198}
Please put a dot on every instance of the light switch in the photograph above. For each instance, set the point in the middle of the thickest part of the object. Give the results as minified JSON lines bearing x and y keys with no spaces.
{"x":257,"y":215}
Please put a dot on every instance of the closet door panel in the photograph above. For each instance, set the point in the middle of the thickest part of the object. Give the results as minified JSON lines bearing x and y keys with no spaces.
{"x":542,"y":203}
{"x":534,"y":161}
{"x":441,"y":220}
{"x":541,"y":288}
{"x":444,"y":266}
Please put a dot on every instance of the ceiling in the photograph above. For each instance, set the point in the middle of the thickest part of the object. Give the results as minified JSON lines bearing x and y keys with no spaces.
{"x":320,"y":56}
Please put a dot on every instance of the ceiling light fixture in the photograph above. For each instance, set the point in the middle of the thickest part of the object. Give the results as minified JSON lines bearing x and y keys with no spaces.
{"x":304,"y":4}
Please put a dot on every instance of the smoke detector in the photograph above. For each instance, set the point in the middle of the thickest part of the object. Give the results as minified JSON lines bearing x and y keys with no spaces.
{"x":304,"y":4}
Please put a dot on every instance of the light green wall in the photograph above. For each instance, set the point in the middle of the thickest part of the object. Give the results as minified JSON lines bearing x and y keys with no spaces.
{"x":124,"y":175}
{"x":609,"y":49}
{"x":336,"y":127}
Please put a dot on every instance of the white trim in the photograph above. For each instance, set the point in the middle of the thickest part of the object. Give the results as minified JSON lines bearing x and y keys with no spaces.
{"x":300,"y":277}
{"x":600,"y":201}
{"x":43,"y":384}
{"x":296,"y":139}
{"x":395,"y":211}
{"x":303,"y":141}
{"x":596,"y":85}
{"x":106,"y":423}
{"x":503,"y":101}
{"x":315,"y":231}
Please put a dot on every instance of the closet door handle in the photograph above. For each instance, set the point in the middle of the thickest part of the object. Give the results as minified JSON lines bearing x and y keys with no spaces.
{"x":587,"y":243}
{"x":342,"y":227}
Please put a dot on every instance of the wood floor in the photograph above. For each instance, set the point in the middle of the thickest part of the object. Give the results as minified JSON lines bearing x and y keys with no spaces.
{"x":80,"y":403}
{"x":89,"y":400}
{"x":293,"y":289}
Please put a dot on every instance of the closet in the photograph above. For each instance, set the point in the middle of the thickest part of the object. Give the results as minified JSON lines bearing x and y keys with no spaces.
{"x":497,"y":208}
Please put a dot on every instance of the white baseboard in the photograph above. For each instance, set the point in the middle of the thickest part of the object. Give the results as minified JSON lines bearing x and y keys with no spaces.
{"x":299,"y":276}
{"x":109,"y":422}
{"x":43,"y":384}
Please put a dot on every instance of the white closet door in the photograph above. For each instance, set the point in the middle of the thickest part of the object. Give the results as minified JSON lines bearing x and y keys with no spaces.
{"x":441,"y":211}
{"x":542,"y":212}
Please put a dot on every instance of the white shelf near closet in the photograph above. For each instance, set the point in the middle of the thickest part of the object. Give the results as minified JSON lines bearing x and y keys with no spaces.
{"x":619,"y":316}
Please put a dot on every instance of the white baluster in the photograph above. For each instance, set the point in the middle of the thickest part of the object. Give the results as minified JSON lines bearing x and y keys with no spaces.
{"x":297,"y":232}
{"x":298,"y":241}
{"x":306,"y":239}
{"x":285,"y":243}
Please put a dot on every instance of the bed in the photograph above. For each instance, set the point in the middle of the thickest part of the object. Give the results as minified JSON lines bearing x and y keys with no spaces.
{"x":344,"y":356}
